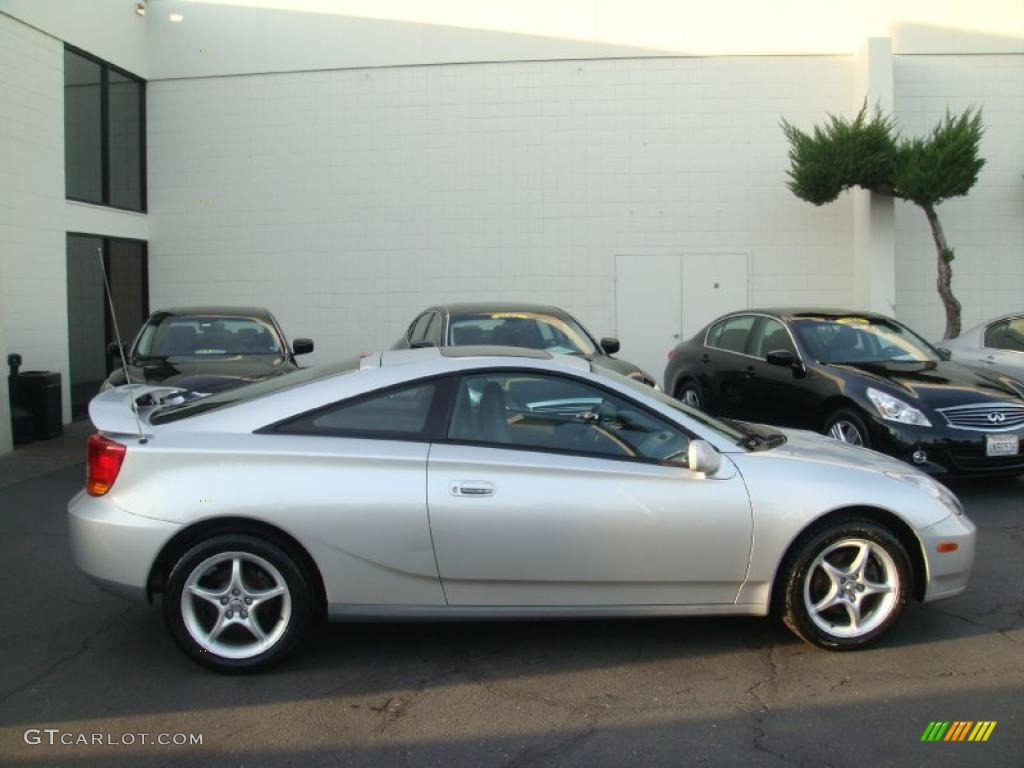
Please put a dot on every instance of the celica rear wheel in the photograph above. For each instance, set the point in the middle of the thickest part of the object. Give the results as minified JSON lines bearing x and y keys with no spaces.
{"x":237,"y":603}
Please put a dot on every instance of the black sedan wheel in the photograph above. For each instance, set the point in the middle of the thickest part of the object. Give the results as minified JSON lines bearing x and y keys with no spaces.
{"x":848,"y":427}
{"x":688,"y":393}
{"x":845,"y":585}
{"x":237,"y":603}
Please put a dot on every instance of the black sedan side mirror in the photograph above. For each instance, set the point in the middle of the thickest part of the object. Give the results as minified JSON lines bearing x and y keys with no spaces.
{"x":114,"y":349}
{"x":302,"y":346}
{"x":610,"y":345}
{"x":781,"y":357}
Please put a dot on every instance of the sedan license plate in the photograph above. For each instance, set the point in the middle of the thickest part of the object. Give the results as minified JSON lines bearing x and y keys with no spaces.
{"x":1001,"y":445}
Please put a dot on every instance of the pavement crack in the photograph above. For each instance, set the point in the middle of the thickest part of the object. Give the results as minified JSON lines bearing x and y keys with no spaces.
{"x":550,"y":755}
{"x":84,"y":646}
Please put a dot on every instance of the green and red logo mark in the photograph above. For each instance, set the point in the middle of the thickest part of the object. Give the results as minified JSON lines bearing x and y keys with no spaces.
{"x":958,"y":730}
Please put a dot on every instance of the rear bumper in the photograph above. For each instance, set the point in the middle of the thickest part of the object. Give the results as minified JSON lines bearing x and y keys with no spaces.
{"x":948,"y":572}
{"x":116,"y":549}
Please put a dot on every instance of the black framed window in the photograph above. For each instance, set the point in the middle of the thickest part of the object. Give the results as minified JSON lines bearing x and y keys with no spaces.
{"x":104,"y":133}
{"x":537,"y":411}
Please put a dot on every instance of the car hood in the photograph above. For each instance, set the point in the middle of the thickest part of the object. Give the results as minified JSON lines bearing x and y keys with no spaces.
{"x":938,"y":385}
{"x":204,"y":375}
{"x":810,"y":446}
{"x":623,"y":367}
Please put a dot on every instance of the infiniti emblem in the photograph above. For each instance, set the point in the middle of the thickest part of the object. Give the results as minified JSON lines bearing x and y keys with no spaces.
{"x":997,"y":418}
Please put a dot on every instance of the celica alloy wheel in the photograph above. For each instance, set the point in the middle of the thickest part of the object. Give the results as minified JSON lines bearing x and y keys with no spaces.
{"x":846,"y":426}
{"x":845,"y":586}
{"x":237,"y":603}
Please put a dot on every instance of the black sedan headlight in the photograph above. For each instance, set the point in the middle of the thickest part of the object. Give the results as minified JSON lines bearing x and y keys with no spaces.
{"x":893,"y":409}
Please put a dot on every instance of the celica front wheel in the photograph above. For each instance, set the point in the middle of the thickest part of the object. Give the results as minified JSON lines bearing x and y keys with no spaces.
{"x":237,"y":603}
{"x":845,"y":585}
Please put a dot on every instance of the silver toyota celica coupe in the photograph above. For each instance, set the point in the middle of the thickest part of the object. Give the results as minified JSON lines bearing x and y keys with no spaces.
{"x":474,"y":482}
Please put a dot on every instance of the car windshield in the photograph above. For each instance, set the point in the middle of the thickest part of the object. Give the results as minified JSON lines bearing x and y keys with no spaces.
{"x":862,"y":340}
{"x":533,"y":330}
{"x":206,"y":336}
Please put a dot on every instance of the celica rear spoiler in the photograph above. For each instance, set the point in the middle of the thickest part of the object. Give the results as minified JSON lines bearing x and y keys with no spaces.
{"x":111,"y":411}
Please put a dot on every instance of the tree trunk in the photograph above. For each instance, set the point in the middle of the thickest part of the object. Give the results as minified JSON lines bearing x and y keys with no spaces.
{"x":945,"y":279}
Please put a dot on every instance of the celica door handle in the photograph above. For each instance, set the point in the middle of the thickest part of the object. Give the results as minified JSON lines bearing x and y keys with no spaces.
{"x":990,"y":359}
{"x":473,"y":488}
{"x":705,"y":358}
{"x":749,"y":373}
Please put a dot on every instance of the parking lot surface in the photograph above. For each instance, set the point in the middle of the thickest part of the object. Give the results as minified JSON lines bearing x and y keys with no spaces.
{"x":736,"y":691}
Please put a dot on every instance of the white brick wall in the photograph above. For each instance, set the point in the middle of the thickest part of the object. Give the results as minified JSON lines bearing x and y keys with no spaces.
{"x":987,"y":227}
{"x":347,"y":200}
{"x":32,"y":251}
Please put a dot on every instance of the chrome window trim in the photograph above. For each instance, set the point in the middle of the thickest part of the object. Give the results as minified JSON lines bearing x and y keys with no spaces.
{"x":792,"y":338}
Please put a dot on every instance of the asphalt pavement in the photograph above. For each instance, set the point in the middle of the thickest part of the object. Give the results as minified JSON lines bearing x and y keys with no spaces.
{"x":82,"y":665}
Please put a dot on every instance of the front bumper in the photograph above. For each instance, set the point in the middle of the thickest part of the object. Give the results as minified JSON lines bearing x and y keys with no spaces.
{"x":950,"y":452}
{"x":116,"y":549}
{"x":948,"y":572}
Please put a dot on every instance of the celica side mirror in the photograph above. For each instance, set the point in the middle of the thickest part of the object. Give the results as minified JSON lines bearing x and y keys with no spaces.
{"x":945,"y":354}
{"x":114,"y":349}
{"x":702,"y":457}
{"x":302,"y":346}
{"x":610,"y":345}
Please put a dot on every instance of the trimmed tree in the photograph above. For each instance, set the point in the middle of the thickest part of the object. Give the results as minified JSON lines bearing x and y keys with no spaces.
{"x":868,"y":152}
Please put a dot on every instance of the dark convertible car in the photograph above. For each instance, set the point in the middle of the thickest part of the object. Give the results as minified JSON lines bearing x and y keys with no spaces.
{"x":859,"y":377}
{"x":207,"y":349}
{"x":534,"y":326}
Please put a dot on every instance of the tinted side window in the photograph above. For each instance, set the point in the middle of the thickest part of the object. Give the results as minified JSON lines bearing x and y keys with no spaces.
{"x":394,"y":414}
{"x":419,"y":328}
{"x":734,"y":333}
{"x":715,"y":334}
{"x":772,"y":336}
{"x":433,"y":332}
{"x":539,"y":411}
{"x":1006,"y":334}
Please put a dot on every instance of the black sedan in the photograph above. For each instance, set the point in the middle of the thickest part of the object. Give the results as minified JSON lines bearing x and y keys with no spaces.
{"x":534,"y":326}
{"x":858,"y":377}
{"x":207,"y":349}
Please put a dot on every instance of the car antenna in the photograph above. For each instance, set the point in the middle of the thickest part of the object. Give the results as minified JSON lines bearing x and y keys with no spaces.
{"x":117,"y":335}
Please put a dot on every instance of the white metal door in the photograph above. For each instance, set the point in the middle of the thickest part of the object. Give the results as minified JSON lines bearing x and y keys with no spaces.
{"x":713,"y":284}
{"x":648,"y":309}
{"x":664,"y":298}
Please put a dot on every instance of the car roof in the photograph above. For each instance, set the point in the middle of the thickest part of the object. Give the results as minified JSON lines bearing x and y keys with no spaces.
{"x":455,"y":354}
{"x":790,"y":313}
{"x":218,"y":309}
{"x":478,"y":307}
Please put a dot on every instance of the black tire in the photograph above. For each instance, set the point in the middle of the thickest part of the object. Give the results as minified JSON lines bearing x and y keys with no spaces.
{"x":883,"y":610}
{"x":287,"y":626}
{"x":687,"y":389}
{"x":848,"y":416}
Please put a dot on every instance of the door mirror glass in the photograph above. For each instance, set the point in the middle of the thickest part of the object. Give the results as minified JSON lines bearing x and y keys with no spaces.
{"x":782,"y":357}
{"x":610,"y":345}
{"x":703,"y":457}
{"x":302,"y":346}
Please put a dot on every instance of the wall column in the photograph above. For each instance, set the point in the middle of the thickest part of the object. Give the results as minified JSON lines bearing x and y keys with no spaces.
{"x":874,"y":226}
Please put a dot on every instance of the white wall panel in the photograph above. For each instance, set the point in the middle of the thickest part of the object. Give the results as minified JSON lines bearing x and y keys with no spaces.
{"x":348,"y":200}
{"x":986,"y":228}
{"x":32,"y":244}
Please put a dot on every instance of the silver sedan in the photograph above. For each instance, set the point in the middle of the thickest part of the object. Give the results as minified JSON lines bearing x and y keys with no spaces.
{"x":995,"y":346}
{"x":488,"y":482}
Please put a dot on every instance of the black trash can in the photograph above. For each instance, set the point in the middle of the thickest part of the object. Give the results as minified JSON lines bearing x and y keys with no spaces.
{"x":39,"y":393}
